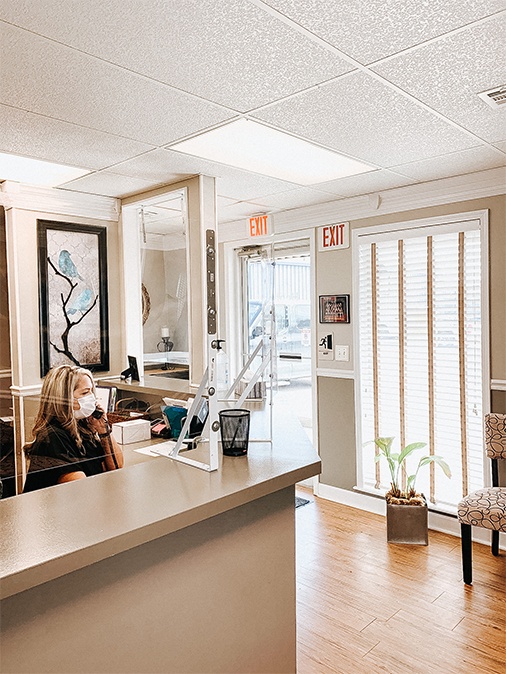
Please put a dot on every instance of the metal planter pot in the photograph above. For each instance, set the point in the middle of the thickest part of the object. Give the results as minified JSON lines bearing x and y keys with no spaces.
{"x":407,"y":524}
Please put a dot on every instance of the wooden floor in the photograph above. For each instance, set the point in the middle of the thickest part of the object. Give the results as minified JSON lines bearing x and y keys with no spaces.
{"x":365,"y":606}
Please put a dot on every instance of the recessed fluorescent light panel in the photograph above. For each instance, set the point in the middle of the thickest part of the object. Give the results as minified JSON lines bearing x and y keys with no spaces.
{"x":254,"y":147}
{"x":36,"y":171}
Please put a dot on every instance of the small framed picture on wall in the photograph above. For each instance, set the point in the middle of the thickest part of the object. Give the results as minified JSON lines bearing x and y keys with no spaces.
{"x":334,"y":308}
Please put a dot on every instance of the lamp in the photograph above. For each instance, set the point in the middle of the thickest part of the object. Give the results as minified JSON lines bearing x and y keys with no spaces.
{"x":165,"y":345}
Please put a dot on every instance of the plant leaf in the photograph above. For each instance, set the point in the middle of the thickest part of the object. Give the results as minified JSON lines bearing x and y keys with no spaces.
{"x":409,"y":449}
{"x":384,"y":444}
{"x":443,"y":465}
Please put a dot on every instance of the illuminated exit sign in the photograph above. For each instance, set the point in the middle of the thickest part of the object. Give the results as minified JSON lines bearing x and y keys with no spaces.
{"x":331,"y":237}
{"x":259,"y":225}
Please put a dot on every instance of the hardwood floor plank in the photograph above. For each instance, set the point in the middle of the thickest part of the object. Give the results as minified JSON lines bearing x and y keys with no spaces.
{"x":365,"y":606}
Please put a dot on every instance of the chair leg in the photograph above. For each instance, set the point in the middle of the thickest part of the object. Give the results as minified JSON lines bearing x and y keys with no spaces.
{"x":467,"y":568}
{"x":495,"y":543}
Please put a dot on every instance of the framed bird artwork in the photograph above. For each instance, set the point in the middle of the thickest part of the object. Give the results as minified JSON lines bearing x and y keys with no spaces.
{"x":73,"y":295}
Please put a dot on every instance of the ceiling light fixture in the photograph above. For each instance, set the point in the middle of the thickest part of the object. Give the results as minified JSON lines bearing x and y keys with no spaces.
{"x":258,"y":148}
{"x":36,"y":171}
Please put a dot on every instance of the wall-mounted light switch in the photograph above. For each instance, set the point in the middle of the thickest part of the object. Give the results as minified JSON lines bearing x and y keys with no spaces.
{"x":342,"y":352}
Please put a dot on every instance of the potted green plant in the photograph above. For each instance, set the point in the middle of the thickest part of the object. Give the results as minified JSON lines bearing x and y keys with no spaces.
{"x":407,"y":513}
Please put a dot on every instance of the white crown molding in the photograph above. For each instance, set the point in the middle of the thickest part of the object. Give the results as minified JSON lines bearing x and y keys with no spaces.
{"x":58,"y":202}
{"x":498,"y":384}
{"x":411,"y":197}
{"x":337,"y":374}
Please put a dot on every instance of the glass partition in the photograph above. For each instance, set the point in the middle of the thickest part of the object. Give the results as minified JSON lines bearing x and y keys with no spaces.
{"x":163,"y":256}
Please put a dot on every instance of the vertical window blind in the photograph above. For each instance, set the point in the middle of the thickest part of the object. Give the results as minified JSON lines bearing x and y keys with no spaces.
{"x":420,"y":354}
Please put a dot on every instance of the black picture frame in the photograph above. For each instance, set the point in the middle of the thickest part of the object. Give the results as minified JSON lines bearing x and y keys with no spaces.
{"x":73,"y":303}
{"x":334,"y":308}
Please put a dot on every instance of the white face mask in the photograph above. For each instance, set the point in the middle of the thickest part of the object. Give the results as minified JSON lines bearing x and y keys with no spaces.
{"x":87,"y":406}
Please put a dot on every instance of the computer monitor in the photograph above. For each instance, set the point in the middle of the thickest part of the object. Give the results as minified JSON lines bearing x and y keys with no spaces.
{"x":132,"y":371}
{"x":199,"y":419}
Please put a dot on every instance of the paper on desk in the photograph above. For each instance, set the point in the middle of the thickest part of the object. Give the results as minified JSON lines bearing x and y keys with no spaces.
{"x":163,"y":447}
{"x":145,"y":450}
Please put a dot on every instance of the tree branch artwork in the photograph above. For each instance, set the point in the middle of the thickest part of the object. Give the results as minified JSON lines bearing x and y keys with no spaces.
{"x":71,"y":304}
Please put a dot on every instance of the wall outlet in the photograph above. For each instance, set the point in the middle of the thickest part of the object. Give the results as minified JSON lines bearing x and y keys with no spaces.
{"x":342,"y":352}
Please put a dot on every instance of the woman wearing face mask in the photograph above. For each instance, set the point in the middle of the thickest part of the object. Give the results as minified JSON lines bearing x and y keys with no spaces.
{"x":69,"y":444}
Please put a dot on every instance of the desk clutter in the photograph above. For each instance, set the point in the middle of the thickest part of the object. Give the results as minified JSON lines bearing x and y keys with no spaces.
{"x":134,"y":420}
{"x":135,"y":430}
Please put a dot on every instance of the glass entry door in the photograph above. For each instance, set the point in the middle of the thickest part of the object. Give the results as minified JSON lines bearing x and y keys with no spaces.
{"x":276,"y":287}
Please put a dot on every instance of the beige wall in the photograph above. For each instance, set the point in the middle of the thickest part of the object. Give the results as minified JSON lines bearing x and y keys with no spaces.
{"x":334,"y":275}
{"x":23,"y":300}
{"x":24,"y":292}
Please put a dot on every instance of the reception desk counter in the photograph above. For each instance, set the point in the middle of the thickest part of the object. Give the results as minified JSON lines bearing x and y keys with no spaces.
{"x":158,"y":567}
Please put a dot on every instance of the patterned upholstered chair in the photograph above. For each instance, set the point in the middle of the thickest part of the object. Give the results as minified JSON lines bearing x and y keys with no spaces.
{"x":486,"y":507}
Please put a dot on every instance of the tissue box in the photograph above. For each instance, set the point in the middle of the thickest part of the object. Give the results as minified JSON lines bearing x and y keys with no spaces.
{"x":126,"y":432}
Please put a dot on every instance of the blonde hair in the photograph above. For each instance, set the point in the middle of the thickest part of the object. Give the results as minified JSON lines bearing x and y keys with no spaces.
{"x":57,"y":400}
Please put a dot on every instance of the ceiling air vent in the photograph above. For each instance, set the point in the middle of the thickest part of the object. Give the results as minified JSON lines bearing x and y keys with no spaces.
{"x":496,"y":97}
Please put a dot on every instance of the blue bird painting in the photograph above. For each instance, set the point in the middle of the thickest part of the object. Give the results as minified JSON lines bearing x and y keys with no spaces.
{"x":82,"y":303}
{"x":66,"y":265}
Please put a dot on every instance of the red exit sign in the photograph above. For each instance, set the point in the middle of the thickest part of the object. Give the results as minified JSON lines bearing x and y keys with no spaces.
{"x":335,"y":236}
{"x":259,"y":225}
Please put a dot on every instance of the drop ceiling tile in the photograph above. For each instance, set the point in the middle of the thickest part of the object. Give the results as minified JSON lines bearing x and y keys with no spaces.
{"x":230,"y":182}
{"x":303,"y":196}
{"x":501,"y":146}
{"x":245,"y":186}
{"x":158,"y":165}
{"x":232,"y":53}
{"x":367,"y":120}
{"x":27,"y":134}
{"x":108,"y":185}
{"x":228,"y":210}
{"x":365,"y":183}
{"x":47,"y":78}
{"x":466,"y":161}
{"x":371,"y":30}
{"x":449,"y":74}
{"x":165,"y":165}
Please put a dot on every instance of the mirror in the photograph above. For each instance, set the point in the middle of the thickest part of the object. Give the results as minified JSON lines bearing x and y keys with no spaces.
{"x":164,"y":286}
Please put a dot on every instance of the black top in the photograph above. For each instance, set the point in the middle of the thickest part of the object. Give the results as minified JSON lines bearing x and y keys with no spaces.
{"x":55,"y":453}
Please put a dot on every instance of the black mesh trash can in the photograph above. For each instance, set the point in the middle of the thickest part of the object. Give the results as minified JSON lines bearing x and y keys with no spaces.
{"x":234,"y":427}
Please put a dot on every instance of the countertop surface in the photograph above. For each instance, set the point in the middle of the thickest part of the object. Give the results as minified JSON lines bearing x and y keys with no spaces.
{"x":53,"y":531}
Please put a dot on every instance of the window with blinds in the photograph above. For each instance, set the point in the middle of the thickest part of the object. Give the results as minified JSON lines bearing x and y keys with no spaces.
{"x":421,"y":321}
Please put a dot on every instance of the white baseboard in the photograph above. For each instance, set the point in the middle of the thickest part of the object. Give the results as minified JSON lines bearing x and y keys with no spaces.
{"x":437,"y":521}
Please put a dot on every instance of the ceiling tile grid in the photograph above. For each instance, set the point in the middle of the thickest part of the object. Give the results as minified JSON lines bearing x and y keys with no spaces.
{"x":240,"y":56}
{"x":163,"y":165}
{"x":368,"y":30}
{"x":449,"y":74}
{"x":465,"y":161}
{"x":373,"y":181}
{"x":364,"y":118}
{"x":111,"y":89}
{"x":47,"y":78}
{"x":28,"y":134}
{"x":303,"y":196}
{"x":230,"y":210}
{"x":108,"y":184}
